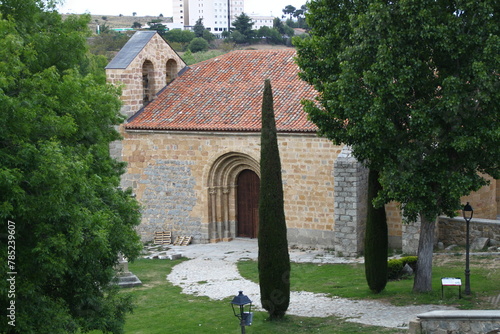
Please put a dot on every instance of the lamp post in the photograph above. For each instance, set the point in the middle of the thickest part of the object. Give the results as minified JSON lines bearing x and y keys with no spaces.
{"x":245,"y":317}
{"x":467,"y":212}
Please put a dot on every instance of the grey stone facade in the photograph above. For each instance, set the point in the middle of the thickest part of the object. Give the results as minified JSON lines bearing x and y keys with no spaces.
{"x":456,"y":322}
{"x":351,"y":188}
{"x":171,"y":196}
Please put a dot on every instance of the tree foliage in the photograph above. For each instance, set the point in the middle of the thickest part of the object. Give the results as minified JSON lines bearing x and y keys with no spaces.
{"x":179,"y":36}
{"x":271,"y":36}
{"x":58,"y":183}
{"x":273,"y":258}
{"x":243,"y":25}
{"x":413,"y":88}
{"x":157,"y":25}
{"x":199,"y":28}
{"x":198,"y":44}
{"x":289,"y":10}
{"x":376,"y":239}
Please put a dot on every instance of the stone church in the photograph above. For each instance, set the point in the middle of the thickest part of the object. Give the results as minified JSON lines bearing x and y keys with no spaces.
{"x":192,"y":147}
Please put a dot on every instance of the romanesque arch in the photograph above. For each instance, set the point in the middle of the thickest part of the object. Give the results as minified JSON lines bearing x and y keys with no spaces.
{"x":221,"y":187}
{"x":148,"y":83}
{"x":171,"y":70}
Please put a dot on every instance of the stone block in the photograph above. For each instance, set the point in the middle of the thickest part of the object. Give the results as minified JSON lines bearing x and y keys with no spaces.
{"x":479,"y":243}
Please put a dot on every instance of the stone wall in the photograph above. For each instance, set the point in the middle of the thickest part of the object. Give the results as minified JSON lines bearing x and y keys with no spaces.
{"x":351,"y":189}
{"x":394,"y":226}
{"x":456,"y":322}
{"x":166,"y":63}
{"x":452,"y":231}
{"x":485,"y":200}
{"x":170,"y":173}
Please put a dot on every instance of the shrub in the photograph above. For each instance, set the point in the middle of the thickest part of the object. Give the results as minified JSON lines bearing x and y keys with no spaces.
{"x":198,"y":44}
{"x":395,"y":266}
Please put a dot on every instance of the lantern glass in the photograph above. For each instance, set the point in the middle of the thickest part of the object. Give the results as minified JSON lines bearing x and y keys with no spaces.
{"x":238,"y":304}
{"x":467,"y":212}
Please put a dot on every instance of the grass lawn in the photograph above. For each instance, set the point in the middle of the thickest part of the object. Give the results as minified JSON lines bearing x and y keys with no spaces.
{"x":162,"y":308}
{"x":348,"y":281}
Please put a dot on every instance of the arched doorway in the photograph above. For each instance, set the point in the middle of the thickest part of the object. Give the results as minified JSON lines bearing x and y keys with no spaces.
{"x":223,"y":183}
{"x":248,"y":204}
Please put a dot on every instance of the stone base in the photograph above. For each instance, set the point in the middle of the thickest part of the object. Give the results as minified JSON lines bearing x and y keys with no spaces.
{"x":127,"y":280}
{"x":309,"y":238}
{"x":456,"y":322}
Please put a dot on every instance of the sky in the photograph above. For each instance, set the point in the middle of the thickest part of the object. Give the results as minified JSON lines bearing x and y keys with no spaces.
{"x":157,"y":7}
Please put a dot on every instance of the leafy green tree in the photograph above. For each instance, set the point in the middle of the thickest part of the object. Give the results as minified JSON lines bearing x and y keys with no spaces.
{"x":136,"y":25}
{"x":376,"y":239}
{"x":199,"y":28}
{"x":283,"y":29}
{"x":272,"y":36}
{"x":208,"y":36}
{"x":198,"y":44}
{"x":59,"y":187}
{"x":243,"y":24}
{"x":279,"y":25}
{"x":289,"y":10}
{"x":158,"y":26}
{"x":238,"y":37}
{"x":273,"y":258}
{"x":412,"y":87}
{"x":179,"y":36}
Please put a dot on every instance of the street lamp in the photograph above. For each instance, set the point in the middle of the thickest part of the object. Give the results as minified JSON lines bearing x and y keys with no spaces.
{"x":467,"y":212}
{"x":245,"y":317}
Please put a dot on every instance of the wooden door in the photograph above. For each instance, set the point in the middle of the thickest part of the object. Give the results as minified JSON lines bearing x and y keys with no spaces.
{"x":248,"y":204}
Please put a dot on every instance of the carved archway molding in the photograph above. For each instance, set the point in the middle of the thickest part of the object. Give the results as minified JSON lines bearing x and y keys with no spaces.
{"x":221,"y":188}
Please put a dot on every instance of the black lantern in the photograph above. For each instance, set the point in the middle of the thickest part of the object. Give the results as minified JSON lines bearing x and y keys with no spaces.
{"x":467,"y":212}
{"x":242,"y":306}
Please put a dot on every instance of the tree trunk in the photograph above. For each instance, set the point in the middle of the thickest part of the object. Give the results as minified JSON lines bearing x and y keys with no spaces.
{"x":423,"y":274}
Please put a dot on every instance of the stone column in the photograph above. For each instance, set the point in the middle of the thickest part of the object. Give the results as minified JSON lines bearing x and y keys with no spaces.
{"x":212,"y":215}
{"x":227,"y":228}
{"x":351,"y":195}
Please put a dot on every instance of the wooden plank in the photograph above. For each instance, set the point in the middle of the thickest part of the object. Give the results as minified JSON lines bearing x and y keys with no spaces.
{"x":182,"y":240}
{"x":161,"y":238}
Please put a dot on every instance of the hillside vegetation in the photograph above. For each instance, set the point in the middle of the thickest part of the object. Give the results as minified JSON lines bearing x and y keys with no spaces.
{"x":116,"y":21}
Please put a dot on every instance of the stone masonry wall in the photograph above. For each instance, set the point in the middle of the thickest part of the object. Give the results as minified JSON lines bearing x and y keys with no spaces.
{"x":168,"y":172}
{"x":159,"y":53}
{"x":452,"y":231}
{"x":351,"y":188}
{"x":456,"y":322}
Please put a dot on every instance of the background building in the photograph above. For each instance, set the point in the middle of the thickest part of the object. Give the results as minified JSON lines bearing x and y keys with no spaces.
{"x":217,"y":15}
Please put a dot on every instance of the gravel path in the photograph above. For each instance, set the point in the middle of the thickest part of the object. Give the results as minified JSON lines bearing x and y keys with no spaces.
{"x":212,"y":272}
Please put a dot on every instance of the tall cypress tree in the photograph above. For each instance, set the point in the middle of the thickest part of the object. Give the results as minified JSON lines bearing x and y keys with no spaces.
{"x":274,"y":260}
{"x":376,"y":239}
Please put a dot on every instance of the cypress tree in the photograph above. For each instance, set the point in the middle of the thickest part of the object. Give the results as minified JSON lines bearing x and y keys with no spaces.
{"x":274,"y":260}
{"x":376,"y":239}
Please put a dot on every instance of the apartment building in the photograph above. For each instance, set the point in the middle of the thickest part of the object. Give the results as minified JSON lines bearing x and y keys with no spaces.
{"x":217,"y":15}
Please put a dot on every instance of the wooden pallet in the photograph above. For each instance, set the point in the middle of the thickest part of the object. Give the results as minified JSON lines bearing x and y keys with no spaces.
{"x":182,"y":240}
{"x":162,"y":238}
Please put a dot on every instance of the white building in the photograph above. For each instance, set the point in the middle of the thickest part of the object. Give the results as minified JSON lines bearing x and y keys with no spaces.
{"x":217,"y":15}
{"x":260,"y":21}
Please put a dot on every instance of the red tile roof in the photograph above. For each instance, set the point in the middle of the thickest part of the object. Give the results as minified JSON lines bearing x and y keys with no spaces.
{"x":225,"y":94}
